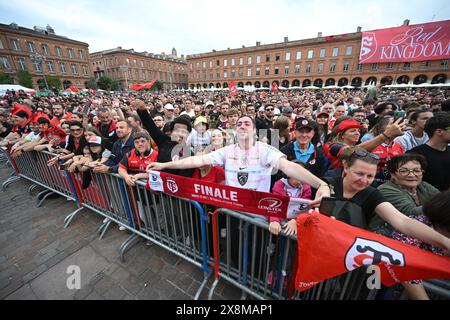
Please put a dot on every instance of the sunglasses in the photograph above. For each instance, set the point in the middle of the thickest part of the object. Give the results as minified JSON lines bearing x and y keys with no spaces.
{"x":363,"y":154}
{"x":270,"y":109}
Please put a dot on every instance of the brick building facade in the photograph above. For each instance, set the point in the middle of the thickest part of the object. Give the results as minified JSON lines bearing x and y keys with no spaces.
{"x":321,"y":61}
{"x":65,"y":58}
{"x":131,"y":67}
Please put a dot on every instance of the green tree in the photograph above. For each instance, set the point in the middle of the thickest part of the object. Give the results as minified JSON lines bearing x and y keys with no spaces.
{"x":6,"y":78}
{"x":104,"y":83}
{"x":25,"y":78}
{"x":158,"y":86}
{"x":114,"y":85}
{"x":91,"y":83}
{"x":53,"y":82}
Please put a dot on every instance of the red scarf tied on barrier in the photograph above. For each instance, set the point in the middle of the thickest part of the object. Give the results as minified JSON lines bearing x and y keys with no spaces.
{"x":328,"y":248}
{"x":250,"y":201}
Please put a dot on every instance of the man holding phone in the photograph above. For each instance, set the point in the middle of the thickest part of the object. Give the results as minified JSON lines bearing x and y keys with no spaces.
{"x":416,"y":136}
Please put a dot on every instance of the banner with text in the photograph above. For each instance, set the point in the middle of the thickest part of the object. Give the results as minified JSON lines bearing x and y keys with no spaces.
{"x":249,"y":201}
{"x":420,"y":42}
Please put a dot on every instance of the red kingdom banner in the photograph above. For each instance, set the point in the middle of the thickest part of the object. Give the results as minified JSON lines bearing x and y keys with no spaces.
{"x":250,"y":201}
{"x":328,"y":248}
{"x":420,"y":42}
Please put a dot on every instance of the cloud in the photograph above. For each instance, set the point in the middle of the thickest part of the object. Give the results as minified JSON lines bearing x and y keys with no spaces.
{"x":198,"y":26}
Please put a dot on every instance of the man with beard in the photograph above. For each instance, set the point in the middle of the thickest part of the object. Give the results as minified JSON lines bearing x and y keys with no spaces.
{"x":59,"y":113}
{"x":123,"y":145}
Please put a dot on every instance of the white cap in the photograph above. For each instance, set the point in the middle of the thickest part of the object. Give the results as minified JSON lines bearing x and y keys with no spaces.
{"x":209,"y":103}
{"x":169,"y":107}
{"x":261,"y":109}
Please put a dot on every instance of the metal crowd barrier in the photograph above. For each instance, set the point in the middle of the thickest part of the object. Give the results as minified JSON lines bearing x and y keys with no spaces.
{"x":239,"y":247}
{"x":6,"y":157}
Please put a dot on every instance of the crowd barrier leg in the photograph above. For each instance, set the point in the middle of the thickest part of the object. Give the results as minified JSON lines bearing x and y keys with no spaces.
{"x":42,"y":196}
{"x":77,"y":195}
{"x":103,"y":228}
{"x":32,"y":188}
{"x":15,"y":175}
{"x":130,"y":242}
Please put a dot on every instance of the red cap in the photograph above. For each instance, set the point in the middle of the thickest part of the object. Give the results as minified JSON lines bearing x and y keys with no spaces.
{"x":37,"y":116}
{"x":17,"y":108}
{"x":347,"y":124}
{"x":322,"y":113}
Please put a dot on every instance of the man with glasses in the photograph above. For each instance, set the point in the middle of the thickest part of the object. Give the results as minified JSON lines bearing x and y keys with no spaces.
{"x":169,"y":113}
{"x":436,"y":151}
{"x":159,"y":121}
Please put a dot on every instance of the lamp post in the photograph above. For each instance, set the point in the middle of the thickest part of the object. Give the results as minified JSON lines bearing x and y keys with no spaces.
{"x":38,"y":58}
{"x":124,"y":68}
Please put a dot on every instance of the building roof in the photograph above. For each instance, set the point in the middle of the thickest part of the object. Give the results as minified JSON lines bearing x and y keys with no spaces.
{"x":285,"y":44}
{"x":142,"y":54}
{"x":47,"y":32}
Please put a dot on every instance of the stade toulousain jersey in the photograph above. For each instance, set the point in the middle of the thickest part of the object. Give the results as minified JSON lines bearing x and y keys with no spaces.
{"x":247,"y":169}
{"x":133,"y":162}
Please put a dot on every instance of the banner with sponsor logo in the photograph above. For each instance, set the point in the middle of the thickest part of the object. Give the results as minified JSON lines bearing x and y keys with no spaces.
{"x":352,"y":248}
{"x":249,"y":201}
{"x":420,"y":42}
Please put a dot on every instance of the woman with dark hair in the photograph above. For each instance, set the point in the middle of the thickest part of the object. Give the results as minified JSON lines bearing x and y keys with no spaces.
{"x":322,"y":129}
{"x":346,"y":134}
{"x":355,"y":187}
{"x":74,"y":144}
{"x":405,"y":191}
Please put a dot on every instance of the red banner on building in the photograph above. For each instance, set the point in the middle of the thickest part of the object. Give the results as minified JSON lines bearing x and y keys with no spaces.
{"x":420,"y":42}
{"x":250,"y":201}
{"x":328,"y":248}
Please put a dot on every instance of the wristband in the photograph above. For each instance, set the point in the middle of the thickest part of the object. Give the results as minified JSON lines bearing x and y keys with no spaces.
{"x":387,"y":137}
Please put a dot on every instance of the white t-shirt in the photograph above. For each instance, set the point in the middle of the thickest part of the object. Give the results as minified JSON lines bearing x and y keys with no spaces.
{"x":247,"y":169}
{"x":190,"y":113}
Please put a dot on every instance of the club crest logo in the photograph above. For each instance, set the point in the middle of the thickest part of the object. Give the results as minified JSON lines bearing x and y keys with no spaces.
{"x":172,"y":185}
{"x":154,"y":177}
{"x":369,"y":46}
{"x":242,"y":178}
{"x":368,"y":252}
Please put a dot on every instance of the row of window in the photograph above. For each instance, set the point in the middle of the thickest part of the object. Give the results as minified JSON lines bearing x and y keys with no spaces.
{"x":320,"y":69}
{"x":31,"y":48}
{"x":287,"y":57}
{"x":151,"y":65}
{"x":144,"y":74}
{"x":22,"y":65}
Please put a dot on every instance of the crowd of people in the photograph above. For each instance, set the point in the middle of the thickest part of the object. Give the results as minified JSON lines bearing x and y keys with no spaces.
{"x":384,"y":151}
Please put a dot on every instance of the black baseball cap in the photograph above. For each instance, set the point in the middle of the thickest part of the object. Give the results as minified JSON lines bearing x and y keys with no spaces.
{"x":305,"y":123}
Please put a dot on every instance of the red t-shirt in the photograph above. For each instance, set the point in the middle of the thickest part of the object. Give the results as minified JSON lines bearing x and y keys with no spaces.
{"x":215,"y":175}
{"x":134,"y":162}
{"x":56,"y":121}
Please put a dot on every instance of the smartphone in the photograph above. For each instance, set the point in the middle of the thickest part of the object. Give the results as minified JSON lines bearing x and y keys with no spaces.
{"x":86,"y":108}
{"x":399,"y":114}
{"x":327,"y":205}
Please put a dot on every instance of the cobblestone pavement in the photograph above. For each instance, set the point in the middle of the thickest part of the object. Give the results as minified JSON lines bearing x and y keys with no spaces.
{"x":36,"y":250}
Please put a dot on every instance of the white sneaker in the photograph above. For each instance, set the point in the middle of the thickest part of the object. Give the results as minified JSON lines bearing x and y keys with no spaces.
{"x":121,"y":228}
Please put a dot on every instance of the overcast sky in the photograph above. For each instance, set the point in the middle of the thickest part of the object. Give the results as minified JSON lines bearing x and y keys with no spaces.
{"x":196,"y":26}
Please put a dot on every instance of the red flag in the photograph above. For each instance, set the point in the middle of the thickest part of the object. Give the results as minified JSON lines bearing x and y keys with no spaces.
{"x":73,"y":89}
{"x":274,"y":87}
{"x":148,"y":85}
{"x":328,"y":248}
{"x":92,"y":91}
{"x":137,"y":86}
{"x":233,"y":88}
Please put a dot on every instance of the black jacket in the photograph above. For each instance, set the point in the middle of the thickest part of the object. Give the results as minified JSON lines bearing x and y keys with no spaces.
{"x":117,"y":153}
{"x":165,"y":145}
